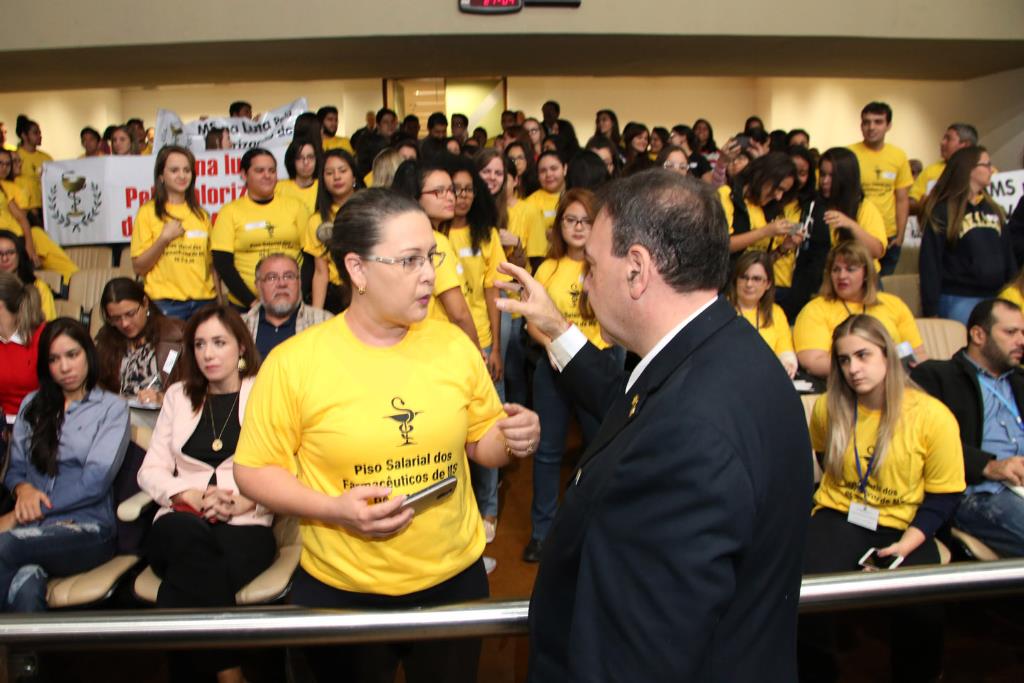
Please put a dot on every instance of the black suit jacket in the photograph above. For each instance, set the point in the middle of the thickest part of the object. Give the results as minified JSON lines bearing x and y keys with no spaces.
{"x":955,"y":383}
{"x":676,"y":553}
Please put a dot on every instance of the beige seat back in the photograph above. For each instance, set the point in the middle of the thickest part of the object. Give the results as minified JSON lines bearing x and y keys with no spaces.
{"x":125,"y":262}
{"x":91,"y":257}
{"x":907,"y":288}
{"x":909,"y":263}
{"x":51,"y":278}
{"x":942,"y":338}
{"x":67,"y":309}
{"x":86,"y":286}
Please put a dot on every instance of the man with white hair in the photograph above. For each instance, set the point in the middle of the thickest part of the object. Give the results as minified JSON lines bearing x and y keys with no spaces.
{"x":279,"y":313}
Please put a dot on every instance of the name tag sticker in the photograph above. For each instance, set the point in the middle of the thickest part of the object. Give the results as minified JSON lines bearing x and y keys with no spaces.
{"x":863,"y":515}
{"x":258,"y":225}
{"x":465,"y":252}
{"x":458,"y":268}
{"x":172,"y":358}
{"x":550,"y":214}
{"x":889,"y":175}
{"x":196,"y":234}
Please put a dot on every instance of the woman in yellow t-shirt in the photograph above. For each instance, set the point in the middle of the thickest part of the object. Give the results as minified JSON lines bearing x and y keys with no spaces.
{"x":893,"y":474}
{"x":14,"y":259}
{"x":850,"y":286}
{"x":752,"y":294}
{"x":847,"y":215}
{"x":765,"y":181}
{"x":254,"y":226}
{"x":337,"y":182}
{"x":303,"y":161}
{"x":170,"y":246}
{"x":551,"y":173}
{"x":430,"y":184}
{"x":32,"y":160}
{"x":342,"y":445}
{"x":562,"y":276}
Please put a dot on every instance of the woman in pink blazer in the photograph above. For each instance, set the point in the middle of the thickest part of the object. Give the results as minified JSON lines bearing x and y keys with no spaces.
{"x":207,"y":539}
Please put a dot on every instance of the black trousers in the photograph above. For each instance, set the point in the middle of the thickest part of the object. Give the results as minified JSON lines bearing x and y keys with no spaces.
{"x":434,"y":661}
{"x":204,"y":565}
{"x":835,"y":545}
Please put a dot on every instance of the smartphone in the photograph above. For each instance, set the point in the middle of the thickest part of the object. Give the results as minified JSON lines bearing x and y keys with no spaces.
{"x":871,"y":560}
{"x":743,"y":141}
{"x":430,"y":496}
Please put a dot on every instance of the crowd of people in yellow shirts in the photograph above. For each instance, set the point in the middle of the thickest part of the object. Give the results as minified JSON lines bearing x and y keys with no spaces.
{"x":811,"y":234}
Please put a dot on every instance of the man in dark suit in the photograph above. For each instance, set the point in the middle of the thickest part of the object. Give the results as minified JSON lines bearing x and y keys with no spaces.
{"x":983,"y":387}
{"x":677,"y":550}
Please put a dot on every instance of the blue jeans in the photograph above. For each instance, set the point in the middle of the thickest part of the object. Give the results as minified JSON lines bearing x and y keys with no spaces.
{"x":890,"y":259}
{"x":32,"y":553}
{"x":485,"y":479}
{"x":958,"y":307}
{"x":997,"y":519}
{"x":555,"y":408}
{"x":182,"y":310}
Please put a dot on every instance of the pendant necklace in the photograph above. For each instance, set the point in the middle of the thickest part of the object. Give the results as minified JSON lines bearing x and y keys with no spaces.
{"x":217,"y":444}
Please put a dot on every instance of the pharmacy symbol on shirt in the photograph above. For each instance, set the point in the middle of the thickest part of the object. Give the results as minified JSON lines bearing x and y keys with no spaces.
{"x":574,"y":292}
{"x":404,"y":418}
{"x":270,"y":229}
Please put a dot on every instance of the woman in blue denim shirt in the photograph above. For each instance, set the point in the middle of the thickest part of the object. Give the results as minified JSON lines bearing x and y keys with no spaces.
{"x":68,"y":443}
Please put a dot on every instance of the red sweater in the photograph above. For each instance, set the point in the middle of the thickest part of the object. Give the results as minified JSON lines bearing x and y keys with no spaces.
{"x":18,"y":372}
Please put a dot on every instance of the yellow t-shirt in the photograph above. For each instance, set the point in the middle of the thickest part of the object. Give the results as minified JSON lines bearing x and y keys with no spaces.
{"x":870,"y":219}
{"x":547,"y":203}
{"x":46,"y":300}
{"x":563,"y":280}
{"x":820,"y":317}
{"x":526,"y":222}
{"x":777,"y":335}
{"x":49,"y":252}
{"x":448,"y":276}
{"x":32,"y":171}
{"x":306,"y":195}
{"x":399,"y":416}
{"x":1012,"y":294}
{"x":338,"y":142}
{"x":480,"y":270}
{"x":925,"y":456}
{"x":881,"y":174}
{"x":184,"y":272}
{"x":782,"y":269}
{"x":251,"y":231}
{"x":9,"y":192}
{"x":311,"y":244}
{"x":919,"y":190}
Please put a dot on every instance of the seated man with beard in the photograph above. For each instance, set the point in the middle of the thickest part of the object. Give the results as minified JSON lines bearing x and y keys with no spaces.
{"x":279,"y":313}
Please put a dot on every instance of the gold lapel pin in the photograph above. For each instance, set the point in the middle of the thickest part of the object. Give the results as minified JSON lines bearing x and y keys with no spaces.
{"x":633,"y":403}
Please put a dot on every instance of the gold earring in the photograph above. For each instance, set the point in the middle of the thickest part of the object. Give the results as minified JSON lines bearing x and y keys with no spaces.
{"x":361,"y":290}
{"x":242,"y":365}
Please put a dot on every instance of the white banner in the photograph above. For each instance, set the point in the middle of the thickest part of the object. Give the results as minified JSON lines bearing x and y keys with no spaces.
{"x":94,"y":201}
{"x":245,"y":133}
{"x":1007,"y":188}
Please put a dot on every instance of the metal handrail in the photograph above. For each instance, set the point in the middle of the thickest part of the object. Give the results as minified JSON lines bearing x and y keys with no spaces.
{"x":266,"y":626}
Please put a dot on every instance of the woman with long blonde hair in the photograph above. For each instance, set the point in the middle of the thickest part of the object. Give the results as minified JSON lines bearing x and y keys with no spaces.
{"x":893,"y":474}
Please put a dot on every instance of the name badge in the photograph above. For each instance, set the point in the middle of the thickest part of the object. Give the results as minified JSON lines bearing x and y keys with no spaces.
{"x":889,"y":175}
{"x":458,"y":268}
{"x":550,"y":214}
{"x":172,"y":358}
{"x":466,"y":252}
{"x":258,"y":225}
{"x":196,"y":234}
{"x":863,"y":515}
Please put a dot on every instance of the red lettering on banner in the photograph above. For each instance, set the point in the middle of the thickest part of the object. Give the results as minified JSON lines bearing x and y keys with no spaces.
{"x":127,"y":225}
{"x":232,"y":165}
{"x":133,"y":195}
{"x":206,"y":167}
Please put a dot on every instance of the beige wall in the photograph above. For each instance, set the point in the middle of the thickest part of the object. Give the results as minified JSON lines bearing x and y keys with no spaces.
{"x":75,"y":23}
{"x":828,"y":108}
{"x":62,"y":114}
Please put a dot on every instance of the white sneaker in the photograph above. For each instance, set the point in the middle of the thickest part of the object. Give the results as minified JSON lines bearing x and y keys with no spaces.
{"x":490,"y":529}
{"x":489,"y":564}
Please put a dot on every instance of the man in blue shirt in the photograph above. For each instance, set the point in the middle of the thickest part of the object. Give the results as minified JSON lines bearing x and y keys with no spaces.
{"x":984,"y":388}
{"x":279,"y":313}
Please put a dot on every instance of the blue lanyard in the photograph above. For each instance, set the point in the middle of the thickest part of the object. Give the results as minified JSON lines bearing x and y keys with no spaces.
{"x":990,"y":384}
{"x":862,"y":477}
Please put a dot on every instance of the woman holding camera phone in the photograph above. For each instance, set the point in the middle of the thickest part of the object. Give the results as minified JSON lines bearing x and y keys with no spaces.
{"x":893,"y":473}
{"x":341,"y":445}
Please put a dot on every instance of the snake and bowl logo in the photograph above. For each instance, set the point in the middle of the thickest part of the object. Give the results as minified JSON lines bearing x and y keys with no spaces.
{"x":404,"y":417}
{"x":75,"y":202}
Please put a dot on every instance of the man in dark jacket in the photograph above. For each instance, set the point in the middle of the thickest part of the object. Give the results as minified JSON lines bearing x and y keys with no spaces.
{"x":984,"y":388}
{"x":676,"y":554}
